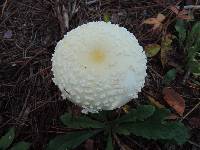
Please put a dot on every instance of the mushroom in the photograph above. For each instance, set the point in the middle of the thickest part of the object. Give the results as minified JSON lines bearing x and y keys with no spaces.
{"x":99,"y":66}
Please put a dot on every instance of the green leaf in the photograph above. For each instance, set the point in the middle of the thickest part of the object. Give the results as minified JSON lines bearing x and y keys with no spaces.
{"x":197,"y":83}
{"x":152,"y":50}
{"x":130,"y":117}
{"x":165,"y":131}
{"x":193,"y":50}
{"x":106,"y":18}
{"x":21,"y":146}
{"x":194,"y":66}
{"x":121,"y":130}
{"x":70,"y":140}
{"x":102,"y":116}
{"x":191,"y":53}
{"x":193,"y":62}
{"x":109,"y":145}
{"x":193,"y":36}
{"x":142,"y":112}
{"x":181,"y":29}
{"x":169,"y":76}
{"x":80,"y":122}
{"x":7,"y":139}
{"x":155,"y":127}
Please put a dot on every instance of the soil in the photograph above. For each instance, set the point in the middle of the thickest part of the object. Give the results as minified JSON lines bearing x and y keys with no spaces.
{"x":29,"y":100}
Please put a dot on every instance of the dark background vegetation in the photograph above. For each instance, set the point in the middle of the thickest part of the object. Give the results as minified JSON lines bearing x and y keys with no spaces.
{"x":29,"y":31}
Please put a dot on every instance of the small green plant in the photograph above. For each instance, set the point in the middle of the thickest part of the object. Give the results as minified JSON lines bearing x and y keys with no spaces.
{"x":106,"y":18}
{"x":189,"y":40}
{"x":169,"y":76}
{"x":7,"y":140}
{"x":145,"y":121}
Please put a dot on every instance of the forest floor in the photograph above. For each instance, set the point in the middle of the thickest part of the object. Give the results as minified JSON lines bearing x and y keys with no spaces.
{"x":29,"y":31}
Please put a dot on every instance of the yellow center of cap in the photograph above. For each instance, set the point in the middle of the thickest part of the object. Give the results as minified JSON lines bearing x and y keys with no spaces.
{"x":97,"y":56}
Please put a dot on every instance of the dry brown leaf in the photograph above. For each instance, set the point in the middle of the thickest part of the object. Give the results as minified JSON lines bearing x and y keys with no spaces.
{"x":181,"y":14}
{"x":155,"y":102}
{"x":174,"y":99}
{"x":156,"y":22}
{"x":89,"y":144}
{"x":174,"y":9}
{"x":126,"y":108}
{"x":166,"y":49}
{"x":160,"y":17}
{"x":195,"y":122}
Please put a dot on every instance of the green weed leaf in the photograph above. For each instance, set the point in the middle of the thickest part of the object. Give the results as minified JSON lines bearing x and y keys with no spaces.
{"x":80,"y":122}
{"x":152,"y":50}
{"x":193,"y":35}
{"x":194,"y":66}
{"x":106,"y":18}
{"x":155,"y":127}
{"x":70,"y":140}
{"x":21,"y":146}
{"x":121,"y":130}
{"x":193,"y":63}
{"x":101,"y":116}
{"x":181,"y":29}
{"x":7,"y":139}
{"x":190,"y":41}
{"x":109,"y":145}
{"x":169,"y":76}
{"x":142,"y":112}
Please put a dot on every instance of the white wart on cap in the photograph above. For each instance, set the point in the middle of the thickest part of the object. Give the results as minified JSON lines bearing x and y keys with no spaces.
{"x":99,"y":66}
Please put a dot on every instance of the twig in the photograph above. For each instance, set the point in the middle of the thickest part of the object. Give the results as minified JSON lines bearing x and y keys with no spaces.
{"x":131,"y":140}
{"x":186,"y":76}
{"x":24,"y":111}
{"x":91,"y":2}
{"x":4,"y":6}
{"x":158,"y":75}
{"x":65,"y":17}
{"x":190,"y":7}
{"x":195,"y":107}
{"x":5,"y":123}
{"x":195,"y":144}
{"x":27,"y":62}
{"x":197,"y":1}
{"x":121,"y":145}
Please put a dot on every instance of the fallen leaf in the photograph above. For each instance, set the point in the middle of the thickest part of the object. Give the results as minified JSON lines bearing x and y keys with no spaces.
{"x":126,"y":108}
{"x":174,"y":9}
{"x":152,"y":49}
{"x":166,"y":49}
{"x":8,"y":34}
{"x":156,"y":22}
{"x":181,"y":14}
{"x":194,"y":122}
{"x":89,"y":144}
{"x":155,"y":102}
{"x":174,"y":100}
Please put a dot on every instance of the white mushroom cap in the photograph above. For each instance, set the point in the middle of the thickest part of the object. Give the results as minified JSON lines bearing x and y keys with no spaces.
{"x":99,"y":66}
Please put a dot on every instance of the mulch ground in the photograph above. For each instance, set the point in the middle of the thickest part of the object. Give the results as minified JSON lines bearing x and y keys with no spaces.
{"x":29,"y":31}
